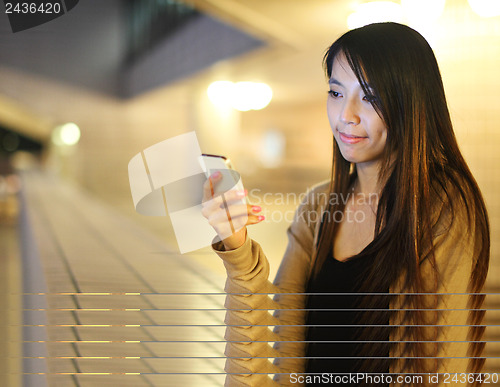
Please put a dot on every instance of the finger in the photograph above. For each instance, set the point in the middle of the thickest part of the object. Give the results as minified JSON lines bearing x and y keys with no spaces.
{"x":229,"y":199}
{"x":226,"y":224}
{"x":237,"y":206}
{"x":235,"y":196}
{"x":211,"y":206}
{"x":254,"y":219}
{"x":245,"y":214}
{"x":226,"y":213}
{"x":238,"y":221}
{"x":218,"y":204}
{"x":252,"y":209}
{"x":254,"y":215}
{"x":209,"y":185}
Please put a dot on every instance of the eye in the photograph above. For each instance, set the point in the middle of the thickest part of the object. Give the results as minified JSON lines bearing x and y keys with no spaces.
{"x":334,"y":94}
{"x":370,"y":98}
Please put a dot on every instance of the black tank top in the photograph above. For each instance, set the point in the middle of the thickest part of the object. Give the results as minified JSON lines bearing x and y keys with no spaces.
{"x":335,"y":324}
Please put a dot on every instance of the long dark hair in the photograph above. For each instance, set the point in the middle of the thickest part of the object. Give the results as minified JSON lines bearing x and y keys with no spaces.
{"x":428,"y":175}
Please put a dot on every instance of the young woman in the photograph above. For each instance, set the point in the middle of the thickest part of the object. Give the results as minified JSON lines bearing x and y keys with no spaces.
{"x":390,"y":289}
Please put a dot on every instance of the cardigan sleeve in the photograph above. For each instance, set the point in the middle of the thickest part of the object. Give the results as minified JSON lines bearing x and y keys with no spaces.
{"x":249,"y":305}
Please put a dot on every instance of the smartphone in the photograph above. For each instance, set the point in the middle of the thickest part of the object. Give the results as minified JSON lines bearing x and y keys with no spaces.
{"x":230,"y":178}
{"x":214,"y":162}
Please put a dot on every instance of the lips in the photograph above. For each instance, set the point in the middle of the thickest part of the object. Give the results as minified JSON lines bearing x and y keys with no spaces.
{"x":350,"y":138}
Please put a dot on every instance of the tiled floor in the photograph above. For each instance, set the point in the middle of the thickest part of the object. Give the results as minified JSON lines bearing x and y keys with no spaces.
{"x":10,"y":300}
{"x":122,"y":309}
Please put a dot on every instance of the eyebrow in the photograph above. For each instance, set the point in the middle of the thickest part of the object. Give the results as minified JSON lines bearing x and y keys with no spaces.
{"x":333,"y":81}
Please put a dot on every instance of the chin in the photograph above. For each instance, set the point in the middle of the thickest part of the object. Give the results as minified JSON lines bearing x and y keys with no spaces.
{"x":350,"y":158}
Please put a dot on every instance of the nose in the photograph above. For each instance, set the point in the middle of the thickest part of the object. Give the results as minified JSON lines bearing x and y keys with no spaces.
{"x":349,"y":114}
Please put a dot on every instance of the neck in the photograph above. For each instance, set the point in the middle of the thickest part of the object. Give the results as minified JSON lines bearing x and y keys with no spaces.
{"x":368,"y":182}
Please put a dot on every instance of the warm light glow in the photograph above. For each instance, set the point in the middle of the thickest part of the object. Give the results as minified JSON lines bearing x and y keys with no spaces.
{"x":422,"y":16}
{"x":272,"y":149}
{"x":423,"y":11}
{"x":67,"y":134}
{"x":485,"y":8}
{"x":221,"y":93}
{"x":375,"y":12}
{"x":251,"y":96}
{"x":242,"y":96}
{"x":70,"y":134}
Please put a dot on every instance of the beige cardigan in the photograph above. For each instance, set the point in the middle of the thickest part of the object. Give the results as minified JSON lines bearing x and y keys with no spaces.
{"x":249,"y":314}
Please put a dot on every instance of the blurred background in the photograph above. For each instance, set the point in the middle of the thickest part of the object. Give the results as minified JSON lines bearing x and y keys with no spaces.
{"x":84,"y":93}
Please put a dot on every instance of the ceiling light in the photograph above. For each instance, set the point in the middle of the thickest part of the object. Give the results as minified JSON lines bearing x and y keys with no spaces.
{"x":242,"y":96}
{"x":221,"y":93}
{"x":375,"y":12}
{"x":251,"y":96}
{"x":423,"y":11}
{"x":67,"y":134}
{"x":485,"y":8}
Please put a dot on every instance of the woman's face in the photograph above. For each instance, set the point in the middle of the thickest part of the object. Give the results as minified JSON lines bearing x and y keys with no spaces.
{"x":359,"y":131}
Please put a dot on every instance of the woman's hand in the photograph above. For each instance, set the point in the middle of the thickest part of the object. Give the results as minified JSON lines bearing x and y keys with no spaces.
{"x":228,"y":214}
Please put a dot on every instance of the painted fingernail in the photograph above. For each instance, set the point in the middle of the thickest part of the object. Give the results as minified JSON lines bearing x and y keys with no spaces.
{"x":260,"y":218}
{"x":242,"y":194}
{"x":216,"y":174}
{"x":256,"y":209}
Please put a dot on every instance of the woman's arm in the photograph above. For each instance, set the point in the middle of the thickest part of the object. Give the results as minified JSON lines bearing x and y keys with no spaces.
{"x":249,"y":305}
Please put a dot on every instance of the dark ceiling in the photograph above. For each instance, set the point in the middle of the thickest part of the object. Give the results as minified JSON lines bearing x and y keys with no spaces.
{"x":122,"y":47}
